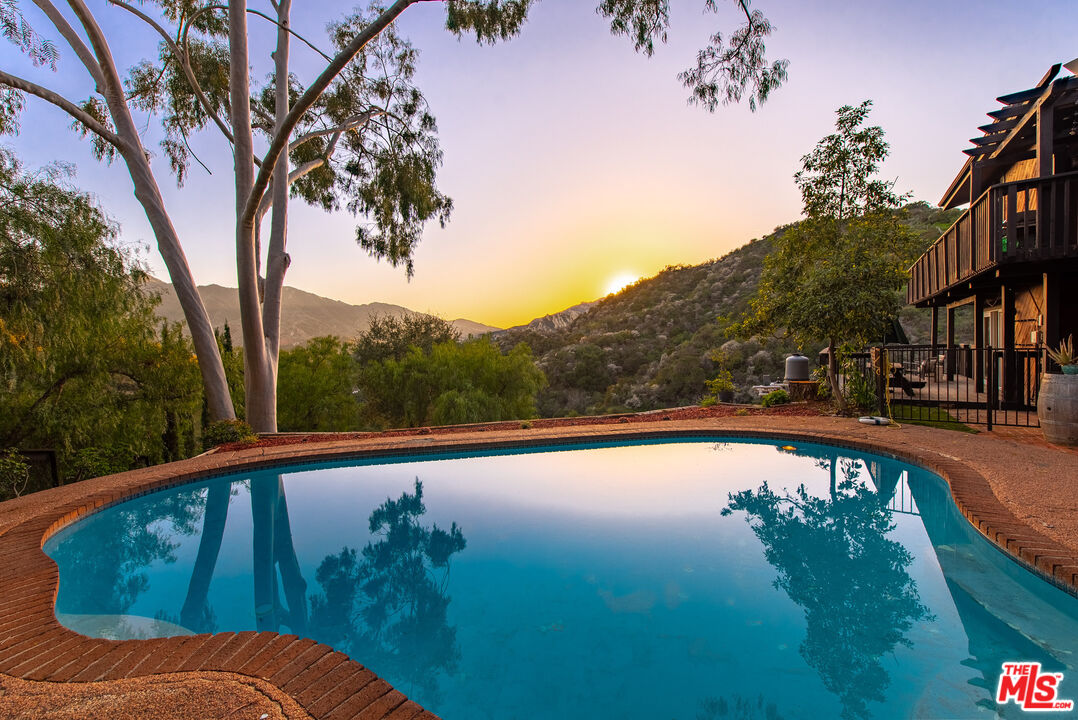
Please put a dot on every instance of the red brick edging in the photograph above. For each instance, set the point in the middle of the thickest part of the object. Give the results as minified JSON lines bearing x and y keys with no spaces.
{"x":326,"y":683}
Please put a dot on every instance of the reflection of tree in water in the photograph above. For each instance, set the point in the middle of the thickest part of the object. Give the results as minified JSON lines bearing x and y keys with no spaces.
{"x":126,"y":540}
{"x":388,"y":604}
{"x":835,"y":561}
{"x":737,"y":708}
{"x":273,"y":551}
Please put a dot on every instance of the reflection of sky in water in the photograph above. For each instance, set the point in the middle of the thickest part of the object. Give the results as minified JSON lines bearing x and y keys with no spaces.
{"x":594,"y":583}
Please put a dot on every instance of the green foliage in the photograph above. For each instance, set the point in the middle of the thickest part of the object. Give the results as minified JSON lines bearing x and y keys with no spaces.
{"x":315,"y":384}
{"x":391,"y":337}
{"x":723,"y":382}
{"x":14,"y":474}
{"x":928,"y":416}
{"x":837,"y":274}
{"x":452,"y":383}
{"x":232,"y":359}
{"x":775,"y":397}
{"x":84,"y":362}
{"x":91,"y":462}
{"x":227,"y":431}
{"x":833,"y":280}
{"x":836,"y":178}
{"x":859,"y":387}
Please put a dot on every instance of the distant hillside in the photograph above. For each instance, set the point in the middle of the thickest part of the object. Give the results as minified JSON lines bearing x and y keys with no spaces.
{"x":648,"y":346}
{"x":304,"y":315}
{"x":554,"y":321}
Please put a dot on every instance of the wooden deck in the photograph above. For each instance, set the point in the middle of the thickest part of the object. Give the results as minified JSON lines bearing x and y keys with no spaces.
{"x":1025,"y":221}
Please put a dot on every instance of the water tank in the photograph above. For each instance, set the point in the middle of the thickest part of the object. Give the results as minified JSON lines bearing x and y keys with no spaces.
{"x":797,"y":367}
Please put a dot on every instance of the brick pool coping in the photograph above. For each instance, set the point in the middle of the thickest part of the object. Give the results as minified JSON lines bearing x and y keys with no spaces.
{"x":328,"y":684}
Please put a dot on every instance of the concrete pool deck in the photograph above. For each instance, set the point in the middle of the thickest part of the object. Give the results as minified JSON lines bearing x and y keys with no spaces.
{"x":1019,"y":492}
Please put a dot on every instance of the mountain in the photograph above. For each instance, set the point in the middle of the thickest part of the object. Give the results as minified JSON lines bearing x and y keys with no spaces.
{"x":649,"y":346}
{"x":304,"y":315}
{"x":554,"y":321}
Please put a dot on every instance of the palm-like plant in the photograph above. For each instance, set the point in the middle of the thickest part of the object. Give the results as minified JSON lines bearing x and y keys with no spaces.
{"x":1064,"y":354}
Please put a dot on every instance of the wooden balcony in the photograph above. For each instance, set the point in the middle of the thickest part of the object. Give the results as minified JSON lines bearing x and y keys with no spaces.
{"x":1029,"y":221}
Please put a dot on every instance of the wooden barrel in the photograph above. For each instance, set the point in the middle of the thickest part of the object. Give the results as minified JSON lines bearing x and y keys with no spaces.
{"x":1057,"y":408}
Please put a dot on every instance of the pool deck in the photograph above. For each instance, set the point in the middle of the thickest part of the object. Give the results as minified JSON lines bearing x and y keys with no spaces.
{"x":1017,"y":490}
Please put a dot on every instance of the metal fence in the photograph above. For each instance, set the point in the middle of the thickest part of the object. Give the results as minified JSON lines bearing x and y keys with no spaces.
{"x":974,"y":386}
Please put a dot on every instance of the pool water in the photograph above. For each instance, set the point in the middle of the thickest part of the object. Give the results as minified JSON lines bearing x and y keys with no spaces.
{"x":691,"y":579}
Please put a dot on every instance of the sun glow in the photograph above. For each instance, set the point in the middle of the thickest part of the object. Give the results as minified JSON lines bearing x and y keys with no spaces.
{"x":620,"y":282}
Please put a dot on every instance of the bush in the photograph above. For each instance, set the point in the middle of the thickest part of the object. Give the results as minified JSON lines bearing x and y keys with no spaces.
{"x":14,"y":474}
{"x":94,"y":462}
{"x":227,"y":431}
{"x":775,"y":397}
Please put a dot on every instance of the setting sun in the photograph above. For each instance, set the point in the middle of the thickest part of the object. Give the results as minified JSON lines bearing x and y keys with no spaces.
{"x":620,"y":282}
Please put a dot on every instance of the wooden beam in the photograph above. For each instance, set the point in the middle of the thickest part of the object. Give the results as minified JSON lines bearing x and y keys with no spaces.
{"x":1011,"y":111}
{"x":1050,"y":307}
{"x":1029,"y":115}
{"x":1023,"y":95}
{"x":1045,"y":141}
{"x":999,"y":125}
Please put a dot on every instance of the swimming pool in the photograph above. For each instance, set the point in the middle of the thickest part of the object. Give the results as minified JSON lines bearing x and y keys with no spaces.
{"x":673,"y":579}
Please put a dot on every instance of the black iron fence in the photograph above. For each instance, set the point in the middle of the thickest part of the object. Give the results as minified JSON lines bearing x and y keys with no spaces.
{"x":976,"y":386}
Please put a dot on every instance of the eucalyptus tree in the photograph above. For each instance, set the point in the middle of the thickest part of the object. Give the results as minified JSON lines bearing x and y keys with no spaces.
{"x":358,"y":134}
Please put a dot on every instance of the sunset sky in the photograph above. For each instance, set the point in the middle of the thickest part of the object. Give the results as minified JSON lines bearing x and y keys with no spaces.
{"x":573,"y":161}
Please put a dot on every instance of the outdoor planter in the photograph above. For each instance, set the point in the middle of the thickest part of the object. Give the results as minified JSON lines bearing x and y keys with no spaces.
{"x":1057,"y":408}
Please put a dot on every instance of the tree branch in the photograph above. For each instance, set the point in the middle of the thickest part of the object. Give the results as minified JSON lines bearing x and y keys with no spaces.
{"x":262,"y":15}
{"x":309,"y":97}
{"x":182,"y":57}
{"x":351,"y":124}
{"x":304,"y":169}
{"x":92,"y":124}
{"x":68,"y":33}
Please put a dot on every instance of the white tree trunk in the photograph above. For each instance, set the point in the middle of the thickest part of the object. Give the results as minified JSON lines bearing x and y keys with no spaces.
{"x":258,"y":378}
{"x":148,"y":193}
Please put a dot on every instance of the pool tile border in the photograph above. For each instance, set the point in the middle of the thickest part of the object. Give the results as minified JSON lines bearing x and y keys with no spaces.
{"x":324,"y":682}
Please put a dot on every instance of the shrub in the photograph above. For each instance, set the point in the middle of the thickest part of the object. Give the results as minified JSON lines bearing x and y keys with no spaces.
{"x":775,"y":397}
{"x":94,"y":462}
{"x":14,"y":474}
{"x":227,"y":431}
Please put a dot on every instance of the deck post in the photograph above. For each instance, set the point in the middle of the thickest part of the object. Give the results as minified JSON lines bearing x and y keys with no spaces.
{"x":935,"y":327}
{"x":978,"y":338}
{"x":1051,"y":303}
{"x":1007,"y":382}
{"x":952,"y":359}
{"x":1045,"y":140}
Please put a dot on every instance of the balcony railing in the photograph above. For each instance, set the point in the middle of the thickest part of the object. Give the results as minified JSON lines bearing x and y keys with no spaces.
{"x":1027,"y":220}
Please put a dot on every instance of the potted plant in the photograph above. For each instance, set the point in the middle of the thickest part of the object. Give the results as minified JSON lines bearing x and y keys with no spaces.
{"x":1057,"y":400}
{"x":1064,"y":356}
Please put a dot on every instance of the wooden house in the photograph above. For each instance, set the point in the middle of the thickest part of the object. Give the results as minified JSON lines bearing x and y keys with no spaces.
{"x":1013,"y":254}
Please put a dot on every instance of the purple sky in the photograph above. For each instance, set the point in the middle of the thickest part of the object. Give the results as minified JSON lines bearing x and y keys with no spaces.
{"x":571,"y":160}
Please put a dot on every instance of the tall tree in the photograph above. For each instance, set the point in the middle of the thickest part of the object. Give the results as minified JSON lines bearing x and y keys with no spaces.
{"x":835,"y":275}
{"x":84,"y":364}
{"x":357,"y":135}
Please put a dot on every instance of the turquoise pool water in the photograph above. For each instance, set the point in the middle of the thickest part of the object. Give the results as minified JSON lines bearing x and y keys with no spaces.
{"x":690,"y":579}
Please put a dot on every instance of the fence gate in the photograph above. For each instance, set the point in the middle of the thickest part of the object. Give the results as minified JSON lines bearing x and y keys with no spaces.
{"x":974,"y":386}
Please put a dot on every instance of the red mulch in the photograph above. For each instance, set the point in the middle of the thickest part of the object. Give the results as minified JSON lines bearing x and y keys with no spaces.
{"x":683,"y":413}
